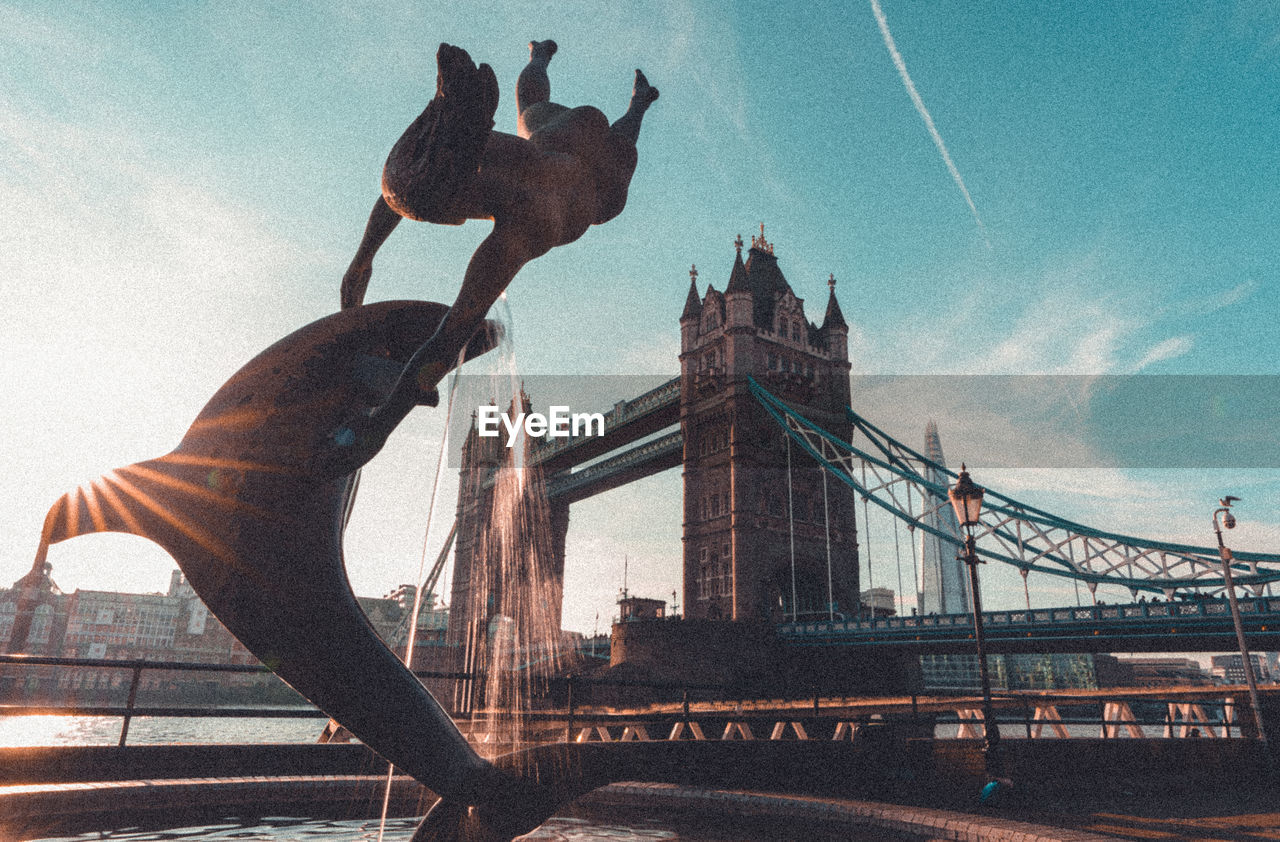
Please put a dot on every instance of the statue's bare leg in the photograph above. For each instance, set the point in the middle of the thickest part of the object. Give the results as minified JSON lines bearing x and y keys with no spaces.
{"x":615,"y":168}
{"x":643,"y":95}
{"x":430,"y":172}
{"x":534,"y":85}
{"x":382,"y":221}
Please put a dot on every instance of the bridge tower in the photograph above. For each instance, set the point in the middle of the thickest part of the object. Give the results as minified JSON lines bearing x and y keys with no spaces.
{"x":750,"y":541}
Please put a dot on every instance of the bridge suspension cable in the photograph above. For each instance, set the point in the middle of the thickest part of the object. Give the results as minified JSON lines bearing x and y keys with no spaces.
{"x":886,"y":472}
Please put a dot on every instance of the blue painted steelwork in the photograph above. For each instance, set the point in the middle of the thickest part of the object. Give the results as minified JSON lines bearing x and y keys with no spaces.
{"x":1189,"y":617}
{"x":1010,"y":531}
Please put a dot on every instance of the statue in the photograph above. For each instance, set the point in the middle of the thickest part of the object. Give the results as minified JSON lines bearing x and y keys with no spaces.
{"x":252,"y":502}
{"x":251,"y":507}
{"x":566,"y":170}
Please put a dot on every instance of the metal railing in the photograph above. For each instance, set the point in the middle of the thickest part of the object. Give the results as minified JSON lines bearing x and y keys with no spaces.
{"x":136,"y":667}
{"x":1093,"y":615}
{"x":707,"y":703}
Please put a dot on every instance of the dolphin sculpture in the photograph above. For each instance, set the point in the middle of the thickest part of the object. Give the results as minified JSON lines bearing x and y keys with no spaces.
{"x":251,"y":505}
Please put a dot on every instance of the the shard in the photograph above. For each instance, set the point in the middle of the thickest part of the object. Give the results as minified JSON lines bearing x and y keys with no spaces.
{"x":944,"y":586}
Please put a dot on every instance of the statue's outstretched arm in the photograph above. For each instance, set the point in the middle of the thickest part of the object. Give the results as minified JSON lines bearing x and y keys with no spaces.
{"x":499,"y":257}
{"x":382,"y":221}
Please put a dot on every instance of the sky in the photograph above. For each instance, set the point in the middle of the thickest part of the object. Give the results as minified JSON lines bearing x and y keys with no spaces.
{"x":1001,"y":188}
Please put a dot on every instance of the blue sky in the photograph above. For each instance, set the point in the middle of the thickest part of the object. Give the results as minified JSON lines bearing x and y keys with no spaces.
{"x":182,"y":184}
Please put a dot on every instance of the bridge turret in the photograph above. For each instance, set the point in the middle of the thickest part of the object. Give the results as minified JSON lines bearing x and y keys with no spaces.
{"x":834,"y":328}
{"x":737,"y":296}
{"x":692,"y":313}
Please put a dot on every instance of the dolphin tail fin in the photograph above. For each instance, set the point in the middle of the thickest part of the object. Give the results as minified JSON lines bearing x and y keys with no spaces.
{"x":104,"y":505}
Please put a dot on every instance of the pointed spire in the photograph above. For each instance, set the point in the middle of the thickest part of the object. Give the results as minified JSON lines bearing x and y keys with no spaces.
{"x":738,"y":276}
{"x":834,"y":317}
{"x":933,"y":444}
{"x":692,"y":304}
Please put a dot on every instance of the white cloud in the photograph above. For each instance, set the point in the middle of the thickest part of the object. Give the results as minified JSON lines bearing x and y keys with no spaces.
{"x":1212,"y":302}
{"x":1174,"y":346}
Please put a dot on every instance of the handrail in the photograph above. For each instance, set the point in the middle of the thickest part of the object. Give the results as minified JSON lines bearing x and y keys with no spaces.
{"x":137,"y":666}
{"x":289,"y":712}
{"x":176,"y":666}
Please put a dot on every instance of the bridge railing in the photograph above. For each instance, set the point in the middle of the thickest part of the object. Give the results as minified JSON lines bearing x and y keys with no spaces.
{"x":1090,"y":614}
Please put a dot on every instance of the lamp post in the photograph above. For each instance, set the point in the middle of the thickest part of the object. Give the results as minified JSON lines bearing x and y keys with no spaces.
{"x":1229,"y":521}
{"x":966,"y":499}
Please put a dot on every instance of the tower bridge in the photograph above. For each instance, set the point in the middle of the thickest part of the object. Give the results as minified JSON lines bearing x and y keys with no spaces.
{"x":775,"y":459}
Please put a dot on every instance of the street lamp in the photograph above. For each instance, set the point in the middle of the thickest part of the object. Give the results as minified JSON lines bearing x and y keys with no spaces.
{"x":966,"y":499}
{"x":1229,"y":521}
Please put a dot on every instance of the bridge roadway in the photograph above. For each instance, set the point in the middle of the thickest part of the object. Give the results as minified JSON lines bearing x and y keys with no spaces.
{"x":1200,"y":625}
{"x":628,"y":422}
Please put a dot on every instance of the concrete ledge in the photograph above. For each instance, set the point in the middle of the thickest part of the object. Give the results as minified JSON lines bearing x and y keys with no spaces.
{"x":914,"y":821}
{"x":42,"y":808}
{"x":36,"y":807}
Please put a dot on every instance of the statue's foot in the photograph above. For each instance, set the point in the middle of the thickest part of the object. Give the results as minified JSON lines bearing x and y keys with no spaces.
{"x":642,"y":93}
{"x":542,"y":50}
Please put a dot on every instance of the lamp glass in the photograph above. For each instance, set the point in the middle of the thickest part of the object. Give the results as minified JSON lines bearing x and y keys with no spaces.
{"x":966,"y":499}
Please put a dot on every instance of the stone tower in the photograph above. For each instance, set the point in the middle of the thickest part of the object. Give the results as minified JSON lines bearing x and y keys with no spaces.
{"x":751,"y":541}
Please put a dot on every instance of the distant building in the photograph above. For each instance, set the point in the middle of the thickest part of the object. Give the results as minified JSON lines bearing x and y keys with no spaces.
{"x":1229,"y":669}
{"x":944,"y":586}
{"x":640,"y":608}
{"x":33,"y":614}
{"x":880,"y":601}
{"x":1029,"y":671}
{"x":36,"y":617}
{"x":1051,"y":671}
{"x":960,"y":672}
{"x":1149,"y":671}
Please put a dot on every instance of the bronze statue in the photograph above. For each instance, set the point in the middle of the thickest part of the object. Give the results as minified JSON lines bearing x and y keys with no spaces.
{"x":253,"y":501}
{"x":566,"y":170}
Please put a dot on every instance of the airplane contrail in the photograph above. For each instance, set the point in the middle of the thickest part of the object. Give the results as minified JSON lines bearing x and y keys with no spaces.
{"x":924,"y":114}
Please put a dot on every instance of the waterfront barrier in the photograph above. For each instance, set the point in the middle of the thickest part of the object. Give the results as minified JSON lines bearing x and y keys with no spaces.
{"x":708,"y":712}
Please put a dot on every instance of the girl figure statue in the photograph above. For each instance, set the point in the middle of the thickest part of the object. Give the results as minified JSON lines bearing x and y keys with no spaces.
{"x":565,"y":170}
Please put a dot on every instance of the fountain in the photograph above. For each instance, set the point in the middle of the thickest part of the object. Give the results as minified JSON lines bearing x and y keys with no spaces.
{"x":252,"y":502}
